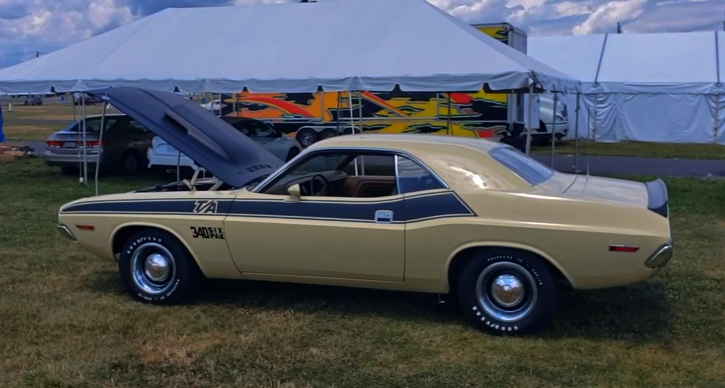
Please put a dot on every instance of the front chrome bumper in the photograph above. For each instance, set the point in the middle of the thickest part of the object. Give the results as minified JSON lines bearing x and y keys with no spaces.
{"x":66,"y":232}
{"x":660,"y":258}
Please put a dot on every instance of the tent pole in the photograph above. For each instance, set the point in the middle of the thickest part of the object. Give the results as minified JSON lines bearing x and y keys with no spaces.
{"x":352,"y":111}
{"x":85,"y":145}
{"x":352,"y":122}
{"x":360,"y":112}
{"x":362,"y":158}
{"x":339,"y":109}
{"x":449,"y":115}
{"x":594,"y":129}
{"x":531,"y":120}
{"x":553,"y":129}
{"x":717,"y":118}
{"x":100,"y":143}
{"x":576,"y":133}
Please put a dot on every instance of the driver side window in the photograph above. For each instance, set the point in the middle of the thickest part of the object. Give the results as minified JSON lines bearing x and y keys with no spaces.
{"x":353,"y":174}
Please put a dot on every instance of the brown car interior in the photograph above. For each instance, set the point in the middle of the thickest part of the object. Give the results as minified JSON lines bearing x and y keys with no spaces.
{"x":337,"y":183}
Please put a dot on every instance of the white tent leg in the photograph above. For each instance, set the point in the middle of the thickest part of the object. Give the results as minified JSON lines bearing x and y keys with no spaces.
{"x":717,"y":118}
{"x":352,"y":112}
{"x":85,"y":144}
{"x":553,"y":129}
{"x":100,"y":143}
{"x":449,"y":115}
{"x":531,"y":121}
{"x":576,"y":133}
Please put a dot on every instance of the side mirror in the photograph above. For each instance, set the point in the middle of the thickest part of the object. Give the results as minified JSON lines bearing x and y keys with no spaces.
{"x":294,"y":193}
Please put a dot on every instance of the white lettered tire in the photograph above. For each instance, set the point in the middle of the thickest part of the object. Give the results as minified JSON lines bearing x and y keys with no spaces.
{"x":508,"y":292}
{"x":156,"y":268}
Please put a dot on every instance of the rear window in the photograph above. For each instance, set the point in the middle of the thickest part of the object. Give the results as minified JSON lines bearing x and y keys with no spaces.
{"x":522,"y":165}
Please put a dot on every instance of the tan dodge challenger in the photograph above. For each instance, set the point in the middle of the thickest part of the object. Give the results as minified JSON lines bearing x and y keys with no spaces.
{"x":469,"y":218}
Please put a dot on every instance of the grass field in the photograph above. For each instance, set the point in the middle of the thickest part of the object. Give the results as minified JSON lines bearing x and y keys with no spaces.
{"x":37,"y":122}
{"x":67,"y":323}
{"x":638,"y":149}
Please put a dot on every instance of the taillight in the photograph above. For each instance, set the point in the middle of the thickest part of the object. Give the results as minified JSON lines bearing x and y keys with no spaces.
{"x":53,"y":144}
{"x":93,"y":143}
{"x":623,"y":248}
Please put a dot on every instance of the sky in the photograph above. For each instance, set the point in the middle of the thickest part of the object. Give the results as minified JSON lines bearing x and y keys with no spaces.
{"x":31,"y":26}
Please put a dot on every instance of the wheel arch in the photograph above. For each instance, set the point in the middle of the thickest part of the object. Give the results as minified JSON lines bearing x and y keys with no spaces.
{"x":123,"y":232}
{"x":458,"y":260}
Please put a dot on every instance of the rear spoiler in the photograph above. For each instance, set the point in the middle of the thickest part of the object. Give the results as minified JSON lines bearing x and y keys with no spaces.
{"x":658,"y":201}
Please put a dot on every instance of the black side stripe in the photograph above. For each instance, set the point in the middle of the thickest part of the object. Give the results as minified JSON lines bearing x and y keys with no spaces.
{"x":146,"y":207}
{"x":411,"y":209}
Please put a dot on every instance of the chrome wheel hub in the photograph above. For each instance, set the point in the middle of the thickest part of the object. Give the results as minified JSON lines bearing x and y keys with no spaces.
{"x":156,"y":267}
{"x":153,"y":268}
{"x":506,"y":291}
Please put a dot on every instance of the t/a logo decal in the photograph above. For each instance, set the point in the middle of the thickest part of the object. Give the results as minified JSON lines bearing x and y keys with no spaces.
{"x":208,"y":232}
{"x":205,"y":207}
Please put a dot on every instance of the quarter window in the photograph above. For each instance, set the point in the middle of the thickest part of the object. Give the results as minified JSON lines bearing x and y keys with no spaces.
{"x":524,"y":166}
{"x":413,"y":178}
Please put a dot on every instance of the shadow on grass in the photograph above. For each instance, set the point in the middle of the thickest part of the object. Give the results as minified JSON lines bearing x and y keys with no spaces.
{"x":637,"y":313}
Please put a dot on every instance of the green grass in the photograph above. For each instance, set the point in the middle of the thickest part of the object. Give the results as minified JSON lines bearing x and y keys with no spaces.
{"x":636,"y":149}
{"x":65,"y":321}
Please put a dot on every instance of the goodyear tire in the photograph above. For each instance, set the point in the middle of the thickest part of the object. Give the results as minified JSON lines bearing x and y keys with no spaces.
{"x":155,"y":268}
{"x":507,"y":292}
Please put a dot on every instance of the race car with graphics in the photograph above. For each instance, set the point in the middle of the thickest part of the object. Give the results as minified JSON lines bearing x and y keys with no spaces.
{"x":471,"y":219}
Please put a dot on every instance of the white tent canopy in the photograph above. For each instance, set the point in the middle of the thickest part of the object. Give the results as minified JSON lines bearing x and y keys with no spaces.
{"x":337,"y":46}
{"x":644,"y":87}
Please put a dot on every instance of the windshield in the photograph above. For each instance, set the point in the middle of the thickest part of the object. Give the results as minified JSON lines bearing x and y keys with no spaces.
{"x":522,"y":165}
{"x":255,"y":182}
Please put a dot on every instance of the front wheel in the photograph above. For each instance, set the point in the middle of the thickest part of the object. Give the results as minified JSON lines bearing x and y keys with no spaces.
{"x":156,"y":268}
{"x":508,"y":292}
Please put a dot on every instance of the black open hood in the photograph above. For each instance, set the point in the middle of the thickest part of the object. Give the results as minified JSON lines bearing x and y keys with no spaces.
{"x":205,"y":138}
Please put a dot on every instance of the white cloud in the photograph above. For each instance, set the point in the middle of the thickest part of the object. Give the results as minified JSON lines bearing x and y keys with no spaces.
{"x":609,"y":14}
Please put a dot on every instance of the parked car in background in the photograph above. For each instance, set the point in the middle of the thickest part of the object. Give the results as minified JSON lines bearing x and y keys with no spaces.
{"x":546,"y":126}
{"x":124,"y":145}
{"x":214,"y":106}
{"x":85,"y":99}
{"x":161,"y":153}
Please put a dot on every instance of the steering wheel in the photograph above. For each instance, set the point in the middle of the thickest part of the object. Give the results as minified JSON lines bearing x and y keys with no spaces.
{"x":323,"y":189}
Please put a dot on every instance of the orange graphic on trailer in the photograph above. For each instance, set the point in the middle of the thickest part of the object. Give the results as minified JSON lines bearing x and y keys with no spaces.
{"x":313,"y":116}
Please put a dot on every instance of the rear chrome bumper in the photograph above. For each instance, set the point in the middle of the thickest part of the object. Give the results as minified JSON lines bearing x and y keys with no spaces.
{"x":660,"y":258}
{"x":66,"y":232}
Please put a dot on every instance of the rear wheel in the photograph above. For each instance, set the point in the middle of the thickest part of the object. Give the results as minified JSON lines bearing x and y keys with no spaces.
{"x":129,"y":164}
{"x":69,"y":170}
{"x":508,"y":292}
{"x":155,"y":268}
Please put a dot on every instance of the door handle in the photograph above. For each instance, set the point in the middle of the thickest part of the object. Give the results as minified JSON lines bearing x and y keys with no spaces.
{"x":383,"y":216}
